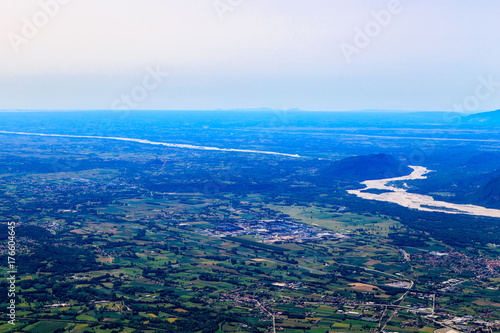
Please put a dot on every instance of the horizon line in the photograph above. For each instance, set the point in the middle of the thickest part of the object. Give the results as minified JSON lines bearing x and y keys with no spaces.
{"x":263,"y":109}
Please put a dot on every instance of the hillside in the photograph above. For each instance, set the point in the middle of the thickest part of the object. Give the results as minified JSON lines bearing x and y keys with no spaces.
{"x":360,"y":168}
{"x":484,"y":118}
{"x":489,"y":194}
{"x":483,"y":162}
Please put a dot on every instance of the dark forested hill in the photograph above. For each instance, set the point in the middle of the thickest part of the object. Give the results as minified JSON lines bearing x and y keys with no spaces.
{"x":489,"y":194}
{"x":483,"y":162}
{"x":359,"y":168}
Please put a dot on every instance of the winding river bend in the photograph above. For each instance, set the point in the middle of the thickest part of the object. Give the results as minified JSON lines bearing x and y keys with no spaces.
{"x":400,"y":196}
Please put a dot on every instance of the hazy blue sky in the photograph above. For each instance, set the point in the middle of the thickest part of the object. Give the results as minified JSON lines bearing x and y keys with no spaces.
{"x":308,"y":54}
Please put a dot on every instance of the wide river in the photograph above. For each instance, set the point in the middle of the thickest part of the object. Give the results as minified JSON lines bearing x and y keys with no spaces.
{"x":394,"y":194}
{"x":156,"y":143}
{"x":427,"y":203}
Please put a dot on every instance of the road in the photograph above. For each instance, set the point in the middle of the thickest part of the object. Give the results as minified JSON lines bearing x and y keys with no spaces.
{"x":263,"y":308}
{"x":406,"y":257}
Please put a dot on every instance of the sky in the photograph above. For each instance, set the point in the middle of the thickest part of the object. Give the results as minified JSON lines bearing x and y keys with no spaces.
{"x":331,"y":55}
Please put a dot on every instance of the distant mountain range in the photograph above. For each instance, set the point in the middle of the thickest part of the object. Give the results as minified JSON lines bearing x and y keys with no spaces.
{"x":366,"y":167}
{"x":486,"y":118}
